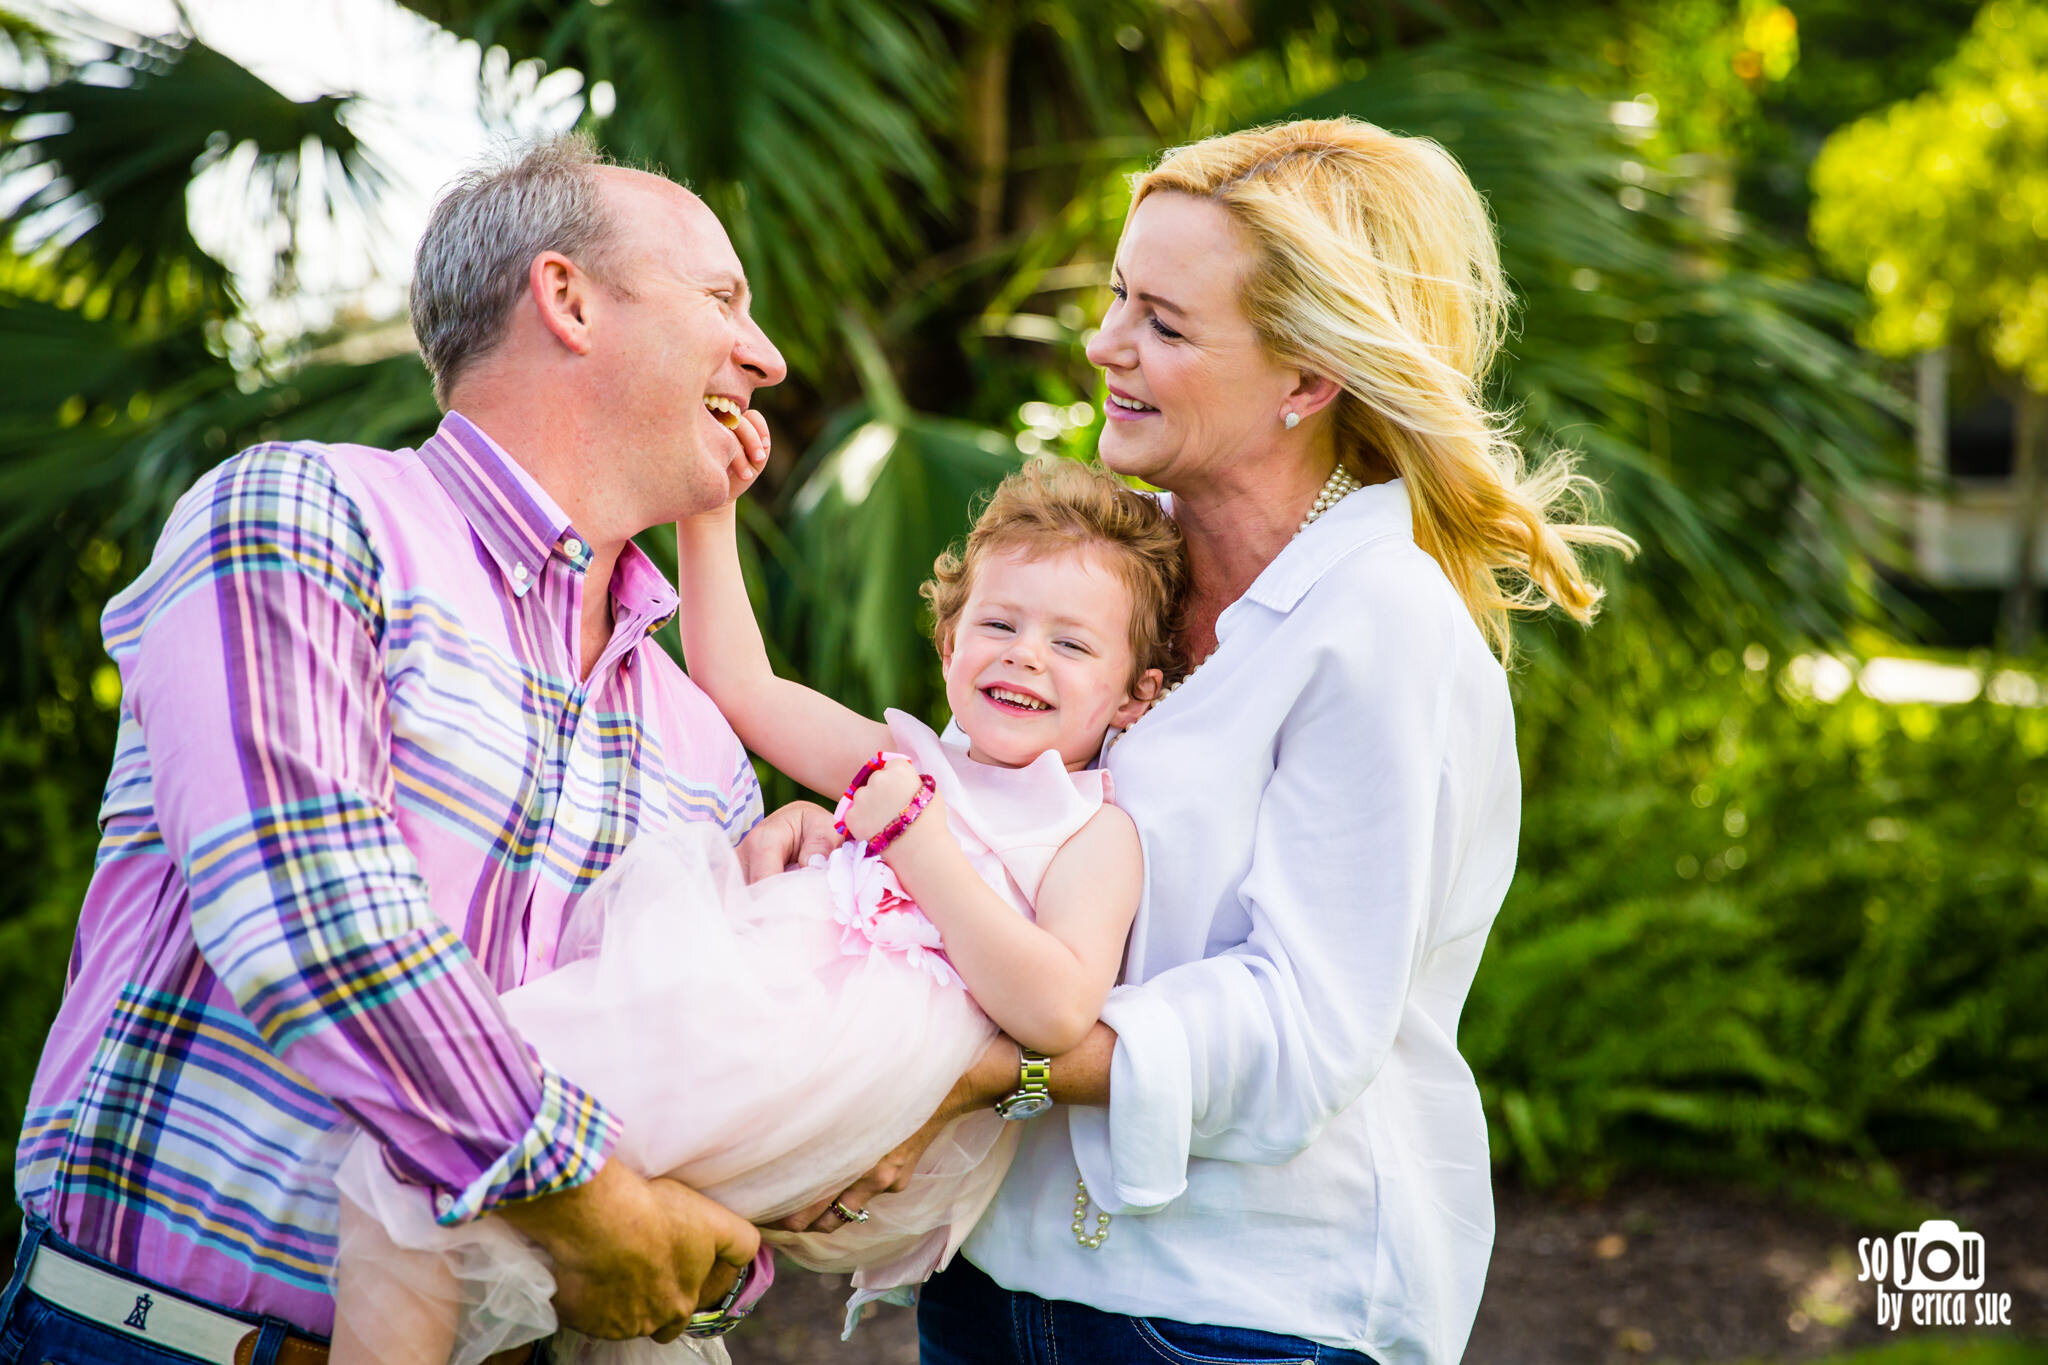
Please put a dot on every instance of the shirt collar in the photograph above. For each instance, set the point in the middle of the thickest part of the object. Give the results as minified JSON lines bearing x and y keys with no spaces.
{"x":520,"y":526}
{"x":639,"y":588}
{"x":1374,"y":512}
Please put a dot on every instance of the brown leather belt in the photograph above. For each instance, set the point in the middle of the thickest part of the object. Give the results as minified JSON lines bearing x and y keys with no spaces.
{"x":295,"y":1351}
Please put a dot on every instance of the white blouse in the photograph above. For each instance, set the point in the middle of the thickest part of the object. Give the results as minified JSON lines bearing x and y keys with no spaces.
{"x":1328,"y":809}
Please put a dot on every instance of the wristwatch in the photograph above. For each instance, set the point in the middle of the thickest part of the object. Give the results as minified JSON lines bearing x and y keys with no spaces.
{"x":725,"y":1315}
{"x":1032,"y":1096}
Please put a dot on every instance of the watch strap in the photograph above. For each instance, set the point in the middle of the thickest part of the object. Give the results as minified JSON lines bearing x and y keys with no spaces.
{"x":1033,"y":1095}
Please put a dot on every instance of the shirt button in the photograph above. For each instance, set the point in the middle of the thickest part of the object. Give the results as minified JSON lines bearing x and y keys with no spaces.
{"x":573,"y":548}
{"x":519,"y":572}
{"x":443,"y":1202}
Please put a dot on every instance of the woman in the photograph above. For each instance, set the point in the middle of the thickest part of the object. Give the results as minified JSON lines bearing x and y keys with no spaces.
{"x":1271,"y":1131}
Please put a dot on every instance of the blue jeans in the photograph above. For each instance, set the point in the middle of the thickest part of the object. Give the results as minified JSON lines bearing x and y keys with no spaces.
{"x":965,"y":1318}
{"x":33,"y":1331}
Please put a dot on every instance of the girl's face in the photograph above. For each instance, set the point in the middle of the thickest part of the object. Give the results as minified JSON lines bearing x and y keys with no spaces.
{"x":1041,"y":658}
{"x":1192,"y":391}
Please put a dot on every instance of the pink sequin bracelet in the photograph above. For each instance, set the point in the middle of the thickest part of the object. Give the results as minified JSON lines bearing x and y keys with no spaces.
{"x":892,"y":831}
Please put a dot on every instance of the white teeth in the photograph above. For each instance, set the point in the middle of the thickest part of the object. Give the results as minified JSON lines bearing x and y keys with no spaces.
{"x":1017,"y":699}
{"x":1131,"y":404}
{"x":724,"y":409}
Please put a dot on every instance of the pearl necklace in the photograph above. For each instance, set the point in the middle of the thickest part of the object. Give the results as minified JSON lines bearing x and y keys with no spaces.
{"x":1335,"y":489}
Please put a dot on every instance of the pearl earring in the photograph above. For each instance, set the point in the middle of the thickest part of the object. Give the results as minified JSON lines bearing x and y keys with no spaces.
{"x":1291,"y":420}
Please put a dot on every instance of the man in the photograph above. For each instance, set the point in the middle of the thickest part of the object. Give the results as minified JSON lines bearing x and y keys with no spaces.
{"x":386,"y":715}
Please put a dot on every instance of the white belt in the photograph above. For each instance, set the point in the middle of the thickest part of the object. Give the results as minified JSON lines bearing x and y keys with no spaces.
{"x":133,"y":1309}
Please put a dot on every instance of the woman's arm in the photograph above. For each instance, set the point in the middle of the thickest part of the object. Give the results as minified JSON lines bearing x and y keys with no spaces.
{"x":1043,"y":983}
{"x":803,"y":732}
{"x":1384,"y":833}
{"x":1079,"y":1076}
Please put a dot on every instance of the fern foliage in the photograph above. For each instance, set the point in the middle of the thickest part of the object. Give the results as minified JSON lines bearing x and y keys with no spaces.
{"x":1754,"y":929}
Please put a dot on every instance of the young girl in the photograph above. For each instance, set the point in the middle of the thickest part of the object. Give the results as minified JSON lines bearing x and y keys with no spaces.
{"x":768,"y":1044}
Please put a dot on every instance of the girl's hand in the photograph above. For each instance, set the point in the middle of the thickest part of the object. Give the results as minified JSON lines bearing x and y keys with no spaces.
{"x":882,"y":798}
{"x":753,"y":457}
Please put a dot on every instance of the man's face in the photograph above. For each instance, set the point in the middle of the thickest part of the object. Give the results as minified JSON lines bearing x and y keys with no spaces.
{"x":680,"y":355}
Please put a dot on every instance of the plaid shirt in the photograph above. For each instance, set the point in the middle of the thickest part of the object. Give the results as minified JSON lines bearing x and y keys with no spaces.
{"x":358,"y":790}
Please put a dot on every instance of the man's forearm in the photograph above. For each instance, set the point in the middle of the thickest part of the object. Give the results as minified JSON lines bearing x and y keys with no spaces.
{"x":372,"y":998}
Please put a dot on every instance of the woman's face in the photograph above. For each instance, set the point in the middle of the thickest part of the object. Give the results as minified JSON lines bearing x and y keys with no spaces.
{"x":1193,"y":396}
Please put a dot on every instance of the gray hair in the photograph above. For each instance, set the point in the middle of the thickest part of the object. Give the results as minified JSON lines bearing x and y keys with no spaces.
{"x":471,"y":267}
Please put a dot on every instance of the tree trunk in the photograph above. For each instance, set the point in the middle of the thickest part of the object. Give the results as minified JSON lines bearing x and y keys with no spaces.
{"x":2030,"y":505}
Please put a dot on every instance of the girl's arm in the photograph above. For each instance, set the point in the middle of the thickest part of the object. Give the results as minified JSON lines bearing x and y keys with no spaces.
{"x":1042,"y":983}
{"x":805,"y":733}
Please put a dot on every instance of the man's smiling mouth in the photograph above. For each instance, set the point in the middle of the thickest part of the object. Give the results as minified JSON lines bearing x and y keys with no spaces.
{"x":724,"y":410}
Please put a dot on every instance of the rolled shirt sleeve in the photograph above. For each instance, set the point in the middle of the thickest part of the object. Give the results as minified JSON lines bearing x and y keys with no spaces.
{"x":256,"y":674}
{"x":1247,"y":1054}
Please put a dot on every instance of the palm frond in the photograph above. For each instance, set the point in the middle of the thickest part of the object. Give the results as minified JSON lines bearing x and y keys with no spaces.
{"x":816,"y":129}
{"x":1717,"y":400}
{"x":120,"y":140}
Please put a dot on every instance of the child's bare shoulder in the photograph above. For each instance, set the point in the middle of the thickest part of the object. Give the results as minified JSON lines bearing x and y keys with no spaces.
{"x":1109,"y":832}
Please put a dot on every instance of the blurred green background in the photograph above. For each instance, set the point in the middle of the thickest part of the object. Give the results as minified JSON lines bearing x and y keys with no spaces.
{"x":1773,"y":921}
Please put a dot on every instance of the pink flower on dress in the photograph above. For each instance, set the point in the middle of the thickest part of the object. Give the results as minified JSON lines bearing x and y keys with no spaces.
{"x":875,"y":915}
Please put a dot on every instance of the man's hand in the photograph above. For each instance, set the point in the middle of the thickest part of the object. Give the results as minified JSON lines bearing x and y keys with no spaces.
{"x":790,"y":837}
{"x":992,"y":1076}
{"x":635,"y":1257}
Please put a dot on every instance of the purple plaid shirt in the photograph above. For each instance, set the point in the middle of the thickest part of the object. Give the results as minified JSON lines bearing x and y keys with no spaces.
{"x":358,"y":790}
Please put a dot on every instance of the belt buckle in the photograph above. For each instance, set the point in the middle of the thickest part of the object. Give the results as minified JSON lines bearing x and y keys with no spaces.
{"x":716,"y":1322}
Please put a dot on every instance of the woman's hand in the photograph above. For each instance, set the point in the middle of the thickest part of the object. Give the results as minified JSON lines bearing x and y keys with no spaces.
{"x":993,"y":1075}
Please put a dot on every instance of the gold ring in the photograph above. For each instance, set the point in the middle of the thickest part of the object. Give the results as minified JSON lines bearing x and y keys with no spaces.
{"x":850,"y":1215}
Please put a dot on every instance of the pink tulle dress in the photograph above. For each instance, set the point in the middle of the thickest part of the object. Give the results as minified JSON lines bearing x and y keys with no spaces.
{"x":764,"y":1044}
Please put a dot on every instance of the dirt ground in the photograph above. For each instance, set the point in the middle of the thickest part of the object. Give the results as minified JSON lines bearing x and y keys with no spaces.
{"x":1646,"y":1274}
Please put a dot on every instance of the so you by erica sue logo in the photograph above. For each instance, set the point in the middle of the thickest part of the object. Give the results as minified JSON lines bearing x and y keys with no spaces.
{"x":1936,"y":1278}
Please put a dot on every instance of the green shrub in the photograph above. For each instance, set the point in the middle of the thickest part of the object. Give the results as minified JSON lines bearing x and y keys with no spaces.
{"x":1752,"y":931}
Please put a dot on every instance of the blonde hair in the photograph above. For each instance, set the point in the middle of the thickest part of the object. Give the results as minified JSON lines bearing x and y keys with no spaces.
{"x":1055,"y":505}
{"x":1375,"y":264}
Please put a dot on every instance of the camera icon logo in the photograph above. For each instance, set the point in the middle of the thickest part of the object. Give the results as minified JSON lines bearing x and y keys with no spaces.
{"x":1940,"y":1256}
